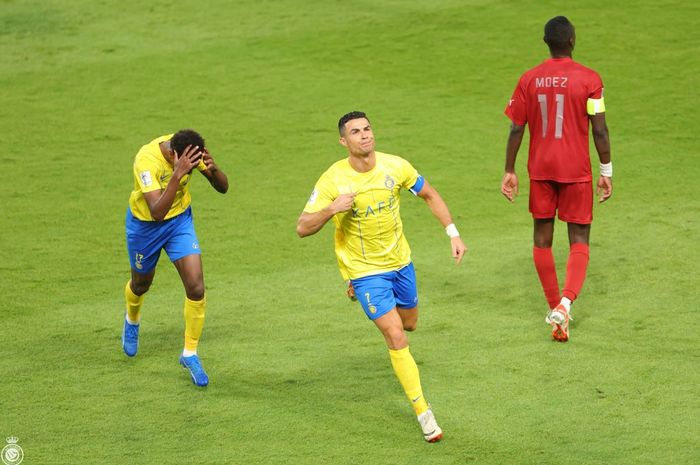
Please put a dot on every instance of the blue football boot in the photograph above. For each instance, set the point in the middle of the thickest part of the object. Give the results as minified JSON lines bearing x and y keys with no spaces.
{"x":130,"y":338}
{"x":192,"y":363}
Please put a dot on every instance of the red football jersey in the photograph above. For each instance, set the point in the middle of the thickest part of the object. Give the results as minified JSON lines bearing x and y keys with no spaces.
{"x":551,"y":99}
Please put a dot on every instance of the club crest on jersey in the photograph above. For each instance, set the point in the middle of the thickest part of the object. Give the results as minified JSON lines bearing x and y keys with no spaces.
{"x":388,"y":182}
{"x":145,"y":178}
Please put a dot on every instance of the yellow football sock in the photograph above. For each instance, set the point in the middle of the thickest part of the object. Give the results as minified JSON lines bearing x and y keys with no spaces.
{"x":194,"y":322}
{"x":133,"y":304}
{"x":407,"y":372}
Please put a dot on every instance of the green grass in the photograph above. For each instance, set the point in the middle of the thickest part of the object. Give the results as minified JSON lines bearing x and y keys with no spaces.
{"x":298,"y":374}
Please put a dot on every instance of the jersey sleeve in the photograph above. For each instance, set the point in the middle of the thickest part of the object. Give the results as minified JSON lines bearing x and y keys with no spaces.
{"x":323,"y":195}
{"x":410,"y":179}
{"x":595,"y":86}
{"x":517,"y":105}
{"x":596,"y":102}
{"x":201,"y":166}
{"x":147,"y":175}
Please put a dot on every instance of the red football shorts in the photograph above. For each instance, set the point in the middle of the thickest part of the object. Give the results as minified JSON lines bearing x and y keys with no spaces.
{"x":572,"y":201}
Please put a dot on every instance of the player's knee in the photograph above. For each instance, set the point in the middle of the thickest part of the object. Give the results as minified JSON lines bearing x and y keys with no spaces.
{"x":543,"y":242}
{"x":396,"y":338}
{"x":579,"y":232}
{"x":410,"y":325}
{"x":195,"y":291}
{"x":140,"y":288}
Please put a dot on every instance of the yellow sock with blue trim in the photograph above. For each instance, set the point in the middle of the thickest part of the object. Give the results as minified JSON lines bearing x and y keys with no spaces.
{"x":407,"y":372}
{"x":133,"y":305}
{"x":194,"y":323}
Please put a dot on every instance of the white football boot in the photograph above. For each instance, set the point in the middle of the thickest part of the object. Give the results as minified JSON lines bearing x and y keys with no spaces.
{"x":431,"y":431}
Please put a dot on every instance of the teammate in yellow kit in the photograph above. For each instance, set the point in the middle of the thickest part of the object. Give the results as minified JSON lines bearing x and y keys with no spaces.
{"x":159,"y":217}
{"x":361,"y":193}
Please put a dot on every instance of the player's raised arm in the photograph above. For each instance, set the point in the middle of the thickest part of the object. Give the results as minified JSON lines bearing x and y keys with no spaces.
{"x":311,"y":223}
{"x":159,"y":202}
{"x":439,"y":208}
{"x":214,"y":175}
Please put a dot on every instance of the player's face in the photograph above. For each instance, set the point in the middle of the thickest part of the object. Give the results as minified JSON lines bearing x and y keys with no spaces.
{"x":358,"y":137}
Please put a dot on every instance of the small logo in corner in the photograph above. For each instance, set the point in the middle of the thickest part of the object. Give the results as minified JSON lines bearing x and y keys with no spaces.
{"x":12,"y":453}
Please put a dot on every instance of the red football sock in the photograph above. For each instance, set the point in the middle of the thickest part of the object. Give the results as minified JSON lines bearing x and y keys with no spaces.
{"x":576,"y":270}
{"x":547,"y":271}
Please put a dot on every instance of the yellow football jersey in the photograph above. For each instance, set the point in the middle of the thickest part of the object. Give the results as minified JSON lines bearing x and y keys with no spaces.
{"x":152,"y":172}
{"x":369,"y":238}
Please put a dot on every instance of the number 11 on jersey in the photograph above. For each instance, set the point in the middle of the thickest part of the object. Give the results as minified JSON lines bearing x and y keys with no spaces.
{"x":559,"y":121}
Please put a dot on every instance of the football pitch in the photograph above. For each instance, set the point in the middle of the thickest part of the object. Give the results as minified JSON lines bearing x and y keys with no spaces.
{"x":298,"y":374}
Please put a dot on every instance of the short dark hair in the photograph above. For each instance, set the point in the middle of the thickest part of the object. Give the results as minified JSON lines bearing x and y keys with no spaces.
{"x":185,"y":137}
{"x":557,"y":33}
{"x":348,"y":117}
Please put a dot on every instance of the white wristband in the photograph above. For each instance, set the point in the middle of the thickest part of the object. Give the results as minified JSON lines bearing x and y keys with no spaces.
{"x":451,"y":230}
{"x":606,"y":169}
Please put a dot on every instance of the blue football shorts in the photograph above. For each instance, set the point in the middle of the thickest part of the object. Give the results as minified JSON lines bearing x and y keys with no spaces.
{"x":379,"y":293}
{"x":145,"y":240}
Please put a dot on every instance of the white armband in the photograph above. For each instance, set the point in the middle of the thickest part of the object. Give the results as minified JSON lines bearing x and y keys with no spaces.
{"x":606,"y":169}
{"x":451,"y":230}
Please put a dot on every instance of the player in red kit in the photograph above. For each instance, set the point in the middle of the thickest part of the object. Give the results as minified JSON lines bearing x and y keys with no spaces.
{"x":557,"y":100}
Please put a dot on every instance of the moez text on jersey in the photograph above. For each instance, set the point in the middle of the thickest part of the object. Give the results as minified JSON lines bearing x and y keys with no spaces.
{"x":551,"y":81}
